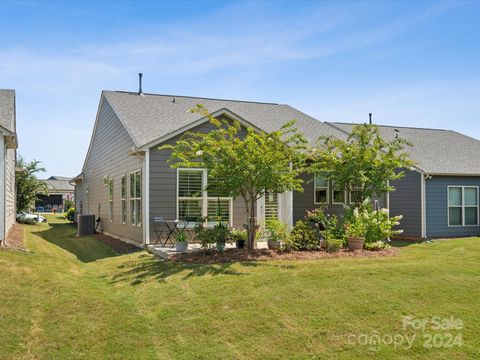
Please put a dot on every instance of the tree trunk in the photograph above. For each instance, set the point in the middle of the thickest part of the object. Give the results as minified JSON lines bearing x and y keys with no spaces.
{"x":251,"y":226}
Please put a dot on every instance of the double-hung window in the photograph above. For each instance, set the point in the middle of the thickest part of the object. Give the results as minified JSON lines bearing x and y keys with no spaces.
{"x":321,"y":190}
{"x":123,"y":199}
{"x":463,"y":206}
{"x":136,"y":198}
{"x":197,"y":201}
{"x":338,"y":194}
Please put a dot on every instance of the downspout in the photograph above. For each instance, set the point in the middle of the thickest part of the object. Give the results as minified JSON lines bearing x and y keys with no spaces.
{"x":146,"y":197}
{"x":423,"y":198}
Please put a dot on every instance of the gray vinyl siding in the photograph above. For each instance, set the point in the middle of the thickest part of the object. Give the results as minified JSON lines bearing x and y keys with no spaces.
{"x":109,"y":155}
{"x":437,"y":208}
{"x":406,"y":200}
{"x":163,"y":186}
{"x":10,"y":194}
{"x":303,"y":201}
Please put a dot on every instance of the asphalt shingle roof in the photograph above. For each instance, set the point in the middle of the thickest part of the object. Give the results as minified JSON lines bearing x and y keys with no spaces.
{"x":150,"y":117}
{"x":435,"y":151}
{"x":59,"y":184}
{"x":7,"y":109}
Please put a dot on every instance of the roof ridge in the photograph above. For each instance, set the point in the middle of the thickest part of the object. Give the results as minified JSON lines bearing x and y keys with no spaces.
{"x":389,"y":126}
{"x":193,"y":97}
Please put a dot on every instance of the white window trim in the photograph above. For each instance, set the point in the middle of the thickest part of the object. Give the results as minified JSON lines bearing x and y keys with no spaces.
{"x":463,"y":206}
{"x":138,"y":223}
{"x":204,"y":197}
{"x":332,"y":189}
{"x":124,"y":199}
{"x":110,"y":199}
{"x":315,"y":187}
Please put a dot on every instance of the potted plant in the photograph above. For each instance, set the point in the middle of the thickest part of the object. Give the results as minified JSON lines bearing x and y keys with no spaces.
{"x":355,"y":229}
{"x":181,"y":245}
{"x":221,"y":234}
{"x":240,"y":237}
{"x":276,"y":233}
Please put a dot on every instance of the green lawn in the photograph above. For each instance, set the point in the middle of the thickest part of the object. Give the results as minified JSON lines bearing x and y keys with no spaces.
{"x":76,"y":298}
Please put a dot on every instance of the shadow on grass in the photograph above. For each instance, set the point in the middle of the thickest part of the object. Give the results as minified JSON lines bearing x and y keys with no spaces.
{"x":86,"y":249}
{"x":147,"y":267}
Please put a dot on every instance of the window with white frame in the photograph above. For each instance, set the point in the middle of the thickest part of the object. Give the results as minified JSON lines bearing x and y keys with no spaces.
{"x":110,"y":199}
{"x":321,"y":190}
{"x":136,"y":198}
{"x":463,"y":206}
{"x":338,"y":194}
{"x":196,"y":202}
{"x":123,"y":198}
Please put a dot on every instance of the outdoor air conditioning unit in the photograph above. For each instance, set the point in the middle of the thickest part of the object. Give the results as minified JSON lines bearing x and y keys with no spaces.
{"x":86,"y":225}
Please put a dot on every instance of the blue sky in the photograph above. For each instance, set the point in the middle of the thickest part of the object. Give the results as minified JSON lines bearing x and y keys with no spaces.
{"x":409,"y":63}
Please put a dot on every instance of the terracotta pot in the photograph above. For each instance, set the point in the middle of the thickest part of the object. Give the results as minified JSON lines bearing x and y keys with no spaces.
{"x":274,"y":245}
{"x":355,"y":243}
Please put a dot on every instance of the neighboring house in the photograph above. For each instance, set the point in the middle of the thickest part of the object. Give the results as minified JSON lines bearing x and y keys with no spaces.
{"x":126,"y":180}
{"x":8,"y":158}
{"x":59,"y":190}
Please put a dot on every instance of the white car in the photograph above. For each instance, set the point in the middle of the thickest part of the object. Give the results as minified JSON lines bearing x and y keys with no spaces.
{"x":23,"y":214}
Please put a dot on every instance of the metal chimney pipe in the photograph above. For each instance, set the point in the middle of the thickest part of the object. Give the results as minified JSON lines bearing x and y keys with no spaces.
{"x":140,"y":92}
{"x":370,"y":118}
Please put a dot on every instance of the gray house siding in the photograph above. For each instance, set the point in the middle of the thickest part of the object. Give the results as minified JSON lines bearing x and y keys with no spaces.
{"x":436,"y":207}
{"x":406,"y":200}
{"x":163,"y":186}
{"x":10,"y":194}
{"x":109,"y":156}
{"x":303,"y":201}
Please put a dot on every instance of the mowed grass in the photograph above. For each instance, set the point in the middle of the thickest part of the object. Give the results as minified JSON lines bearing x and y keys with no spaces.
{"x":76,"y":298}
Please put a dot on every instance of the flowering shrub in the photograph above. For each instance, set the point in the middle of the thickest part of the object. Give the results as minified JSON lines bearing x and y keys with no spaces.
{"x":370,"y":224}
{"x":355,"y":225}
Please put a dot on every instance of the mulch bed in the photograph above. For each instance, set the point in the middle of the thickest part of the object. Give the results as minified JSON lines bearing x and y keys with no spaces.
{"x":14,"y":239}
{"x":237,"y":255}
{"x":119,"y":246}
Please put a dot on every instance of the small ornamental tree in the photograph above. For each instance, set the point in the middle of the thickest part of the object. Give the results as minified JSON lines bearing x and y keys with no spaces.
{"x":243,"y":165}
{"x":363,"y":164}
{"x":27,"y":184}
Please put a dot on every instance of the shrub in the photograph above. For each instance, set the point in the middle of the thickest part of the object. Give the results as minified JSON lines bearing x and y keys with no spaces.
{"x":276,"y":230}
{"x":68,"y":205}
{"x":238,"y":235}
{"x":302,"y":237}
{"x":334,"y":245}
{"x":375,"y":225}
{"x":70,"y":215}
{"x":218,"y":234}
{"x":355,"y":225}
{"x":376,"y":246}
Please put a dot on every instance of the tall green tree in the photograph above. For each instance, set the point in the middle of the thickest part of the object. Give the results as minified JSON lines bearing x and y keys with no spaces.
{"x":28,"y":186}
{"x":364,"y":164}
{"x":244,"y":165}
